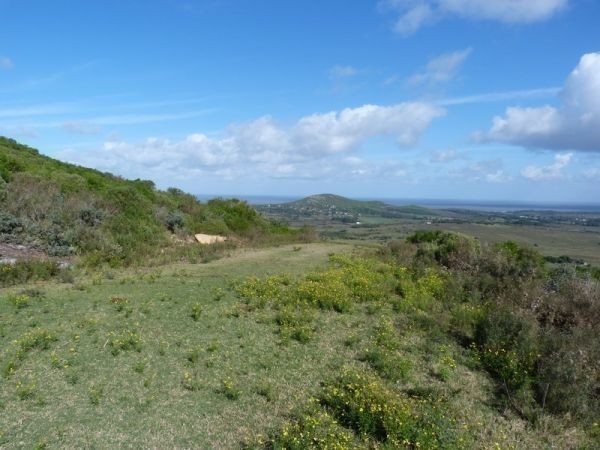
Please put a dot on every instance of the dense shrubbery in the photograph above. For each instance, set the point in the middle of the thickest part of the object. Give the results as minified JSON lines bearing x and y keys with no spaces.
{"x":66,"y":210}
{"x":24,"y":271}
{"x":534,"y":329}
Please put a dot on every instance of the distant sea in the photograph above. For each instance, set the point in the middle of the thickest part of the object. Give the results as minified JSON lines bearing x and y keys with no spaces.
{"x":477,"y":205}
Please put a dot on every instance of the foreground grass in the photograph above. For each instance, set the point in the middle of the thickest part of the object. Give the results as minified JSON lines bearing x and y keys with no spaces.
{"x":175,"y":359}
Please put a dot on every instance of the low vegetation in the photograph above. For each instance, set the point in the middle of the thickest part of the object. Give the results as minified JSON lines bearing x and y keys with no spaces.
{"x":437,"y":341}
{"x":69,"y":212}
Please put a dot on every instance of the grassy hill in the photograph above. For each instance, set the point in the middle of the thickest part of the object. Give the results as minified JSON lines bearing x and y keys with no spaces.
{"x":433,"y":343}
{"x":342,"y":209}
{"x":64,"y":210}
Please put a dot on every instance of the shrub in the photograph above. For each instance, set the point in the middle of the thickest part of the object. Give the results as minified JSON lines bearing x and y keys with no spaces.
{"x":95,"y":393}
{"x":325,"y":290}
{"x":507,"y":344}
{"x":91,"y":217}
{"x":448,"y":249}
{"x":19,"y":301}
{"x":388,"y":364}
{"x":119,"y":302}
{"x":37,"y":338}
{"x":26,"y":389}
{"x":24,"y":271}
{"x":313,"y":430}
{"x":10,"y":224}
{"x":124,"y":340}
{"x":361,"y":402}
{"x":174,"y":221}
{"x":191,"y":381}
{"x":196,"y":312}
{"x":295,"y":322}
{"x":230,"y":389}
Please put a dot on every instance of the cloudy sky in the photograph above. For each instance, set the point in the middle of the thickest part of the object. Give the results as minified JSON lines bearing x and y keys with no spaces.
{"x":442,"y":99}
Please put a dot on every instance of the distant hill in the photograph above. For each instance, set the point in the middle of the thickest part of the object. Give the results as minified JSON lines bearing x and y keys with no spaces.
{"x":343,"y":209}
{"x":65,"y":210}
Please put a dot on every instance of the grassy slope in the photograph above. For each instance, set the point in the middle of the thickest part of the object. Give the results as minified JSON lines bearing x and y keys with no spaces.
{"x":67,"y":210}
{"x":141,"y":400}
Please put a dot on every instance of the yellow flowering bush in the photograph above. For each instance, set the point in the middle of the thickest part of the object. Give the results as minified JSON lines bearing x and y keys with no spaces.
{"x":191,"y":381}
{"x":26,"y":389}
{"x":19,"y":301}
{"x":119,"y":302}
{"x":257,"y":293}
{"x":230,"y":389}
{"x":360,"y":401}
{"x":315,"y":430}
{"x":124,"y":340}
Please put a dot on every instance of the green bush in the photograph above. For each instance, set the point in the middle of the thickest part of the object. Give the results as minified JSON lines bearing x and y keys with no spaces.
{"x":24,"y":271}
{"x":508,"y":346}
{"x":388,"y":364}
{"x":312,"y":430}
{"x":361,"y":402}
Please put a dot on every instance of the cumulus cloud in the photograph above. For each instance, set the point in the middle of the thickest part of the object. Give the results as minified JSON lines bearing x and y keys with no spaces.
{"x":441,"y":69}
{"x":416,"y":13}
{"x":553,"y":171}
{"x":265,"y":148}
{"x":574,"y":125}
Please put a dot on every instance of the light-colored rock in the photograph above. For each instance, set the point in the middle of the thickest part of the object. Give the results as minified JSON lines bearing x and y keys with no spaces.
{"x":209,"y":238}
{"x":9,"y":261}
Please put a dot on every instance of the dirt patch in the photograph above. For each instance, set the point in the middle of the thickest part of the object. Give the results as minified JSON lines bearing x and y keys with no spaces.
{"x":209,"y":238}
{"x":10,"y":253}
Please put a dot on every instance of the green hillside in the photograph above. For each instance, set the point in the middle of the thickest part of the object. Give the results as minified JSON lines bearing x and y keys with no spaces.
{"x":63,"y":210}
{"x":343,"y":209}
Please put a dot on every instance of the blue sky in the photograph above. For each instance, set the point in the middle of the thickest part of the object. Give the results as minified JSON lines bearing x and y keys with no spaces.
{"x":447,"y":99}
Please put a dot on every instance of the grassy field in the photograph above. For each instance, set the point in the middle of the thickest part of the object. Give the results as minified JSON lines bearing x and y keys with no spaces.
{"x":570,"y":240}
{"x":173,"y":358}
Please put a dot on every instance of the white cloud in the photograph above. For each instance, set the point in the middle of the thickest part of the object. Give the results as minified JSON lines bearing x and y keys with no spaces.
{"x":499,"y":96}
{"x":507,"y":11}
{"x":490,"y":171}
{"x":444,"y":156}
{"x":441,"y":69}
{"x":416,"y":13}
{"x":264,"y":148}
{"x":550,"y":172}
{"x":575,"y":125}
{"x":6,"y":63}
{"x":413,"y":18}
{"x":343,"y":71}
